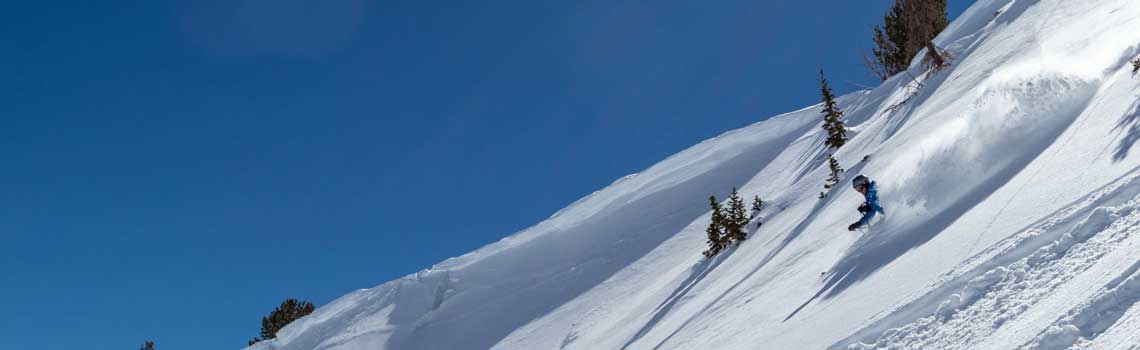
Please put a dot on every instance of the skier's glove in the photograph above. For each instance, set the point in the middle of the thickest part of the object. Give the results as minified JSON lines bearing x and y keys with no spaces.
{"x":854,"y":226}
{"x":864,"y":208}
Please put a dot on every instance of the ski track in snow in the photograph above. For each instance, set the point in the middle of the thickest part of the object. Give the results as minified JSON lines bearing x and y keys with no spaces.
{"x":986,"y":302}
{"x":1081,"y":326}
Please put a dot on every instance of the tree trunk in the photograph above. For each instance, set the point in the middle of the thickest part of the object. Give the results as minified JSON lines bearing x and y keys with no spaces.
{"x":935,"y":56}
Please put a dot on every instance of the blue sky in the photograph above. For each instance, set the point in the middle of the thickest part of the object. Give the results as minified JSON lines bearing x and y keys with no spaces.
{"x":172,"y":170}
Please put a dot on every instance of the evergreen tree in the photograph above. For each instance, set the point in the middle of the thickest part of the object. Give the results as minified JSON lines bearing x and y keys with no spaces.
{"x":925,"y":19}
{"x":889,"y":51}
{"x":147,"y":345}
{"x":757,"y":205}
{"x":715,"y":231}
{"x":290,"y":310}
{"x":1135,"y":66}
{"x":836,"y":171}
{"x":737,"y":219}
{"x":832,"y":116}
{"x":908,"y":27}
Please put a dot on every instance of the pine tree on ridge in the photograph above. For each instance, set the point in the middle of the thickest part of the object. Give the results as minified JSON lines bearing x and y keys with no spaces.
{"x":832,"y":116}
{"x":715,"y":230}
{"x":737,"y":218}
{"x":836,"y":171}
{"x":908,"y":27}
{"x":290,"y":310}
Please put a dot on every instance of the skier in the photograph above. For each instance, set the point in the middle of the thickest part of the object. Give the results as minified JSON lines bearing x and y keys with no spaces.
{"x":870,"y":201}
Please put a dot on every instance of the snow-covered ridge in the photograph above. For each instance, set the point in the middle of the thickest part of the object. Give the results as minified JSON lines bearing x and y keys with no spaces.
{"x":1009,"y":180}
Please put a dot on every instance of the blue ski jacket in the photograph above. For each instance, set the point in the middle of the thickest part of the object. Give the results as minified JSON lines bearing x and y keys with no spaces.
{"x":872,"y":200}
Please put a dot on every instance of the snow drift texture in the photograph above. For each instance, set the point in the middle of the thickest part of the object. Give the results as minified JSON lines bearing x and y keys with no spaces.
{"x":1013,"y":222}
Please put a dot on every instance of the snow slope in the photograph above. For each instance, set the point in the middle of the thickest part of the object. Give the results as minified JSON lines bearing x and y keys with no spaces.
{"x":1012,"y":194}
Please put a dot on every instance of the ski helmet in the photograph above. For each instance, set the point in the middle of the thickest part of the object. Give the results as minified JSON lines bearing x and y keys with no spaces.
{"x":859,"y":181}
